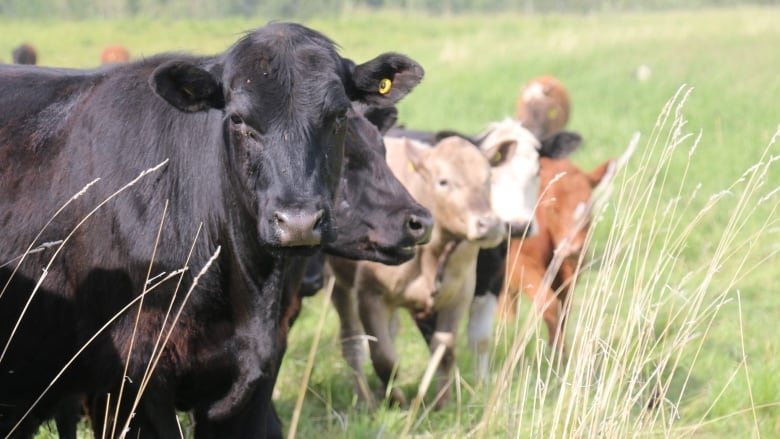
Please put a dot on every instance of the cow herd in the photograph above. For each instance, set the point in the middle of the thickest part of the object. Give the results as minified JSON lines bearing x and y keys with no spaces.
{"x":164,"y":219}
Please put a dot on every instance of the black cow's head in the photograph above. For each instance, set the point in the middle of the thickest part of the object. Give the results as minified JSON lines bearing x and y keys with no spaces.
{"x":285,"y":94}
{"x":376,"y":218}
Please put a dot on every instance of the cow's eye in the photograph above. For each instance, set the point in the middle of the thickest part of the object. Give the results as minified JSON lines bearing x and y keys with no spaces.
{"x":236,"y":119}
{"x":443,"y":183}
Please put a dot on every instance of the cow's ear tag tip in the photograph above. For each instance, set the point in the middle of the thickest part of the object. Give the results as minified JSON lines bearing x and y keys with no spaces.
{"x":385,"y":85}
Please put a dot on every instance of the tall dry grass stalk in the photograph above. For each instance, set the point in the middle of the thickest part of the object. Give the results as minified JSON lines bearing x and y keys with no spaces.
{"x":640,"y":319}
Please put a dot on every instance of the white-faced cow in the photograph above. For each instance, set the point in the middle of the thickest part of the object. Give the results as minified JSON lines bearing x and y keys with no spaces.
{"x":245,"y":151}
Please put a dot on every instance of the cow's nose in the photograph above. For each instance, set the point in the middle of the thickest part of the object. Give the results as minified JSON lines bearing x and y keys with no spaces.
{"x":420,"y":227}
{"x":487,"y":224}
{"x":298,"y":228}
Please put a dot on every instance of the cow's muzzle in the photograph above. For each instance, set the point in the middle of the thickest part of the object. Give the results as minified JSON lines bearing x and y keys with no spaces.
{"x":296,"y":228}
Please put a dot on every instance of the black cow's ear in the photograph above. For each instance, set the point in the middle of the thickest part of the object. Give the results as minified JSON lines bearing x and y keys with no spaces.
{"x":384,"y":80}
{"x":560,"y":145}
{"x":382,"y":117}
{"x":187,"y":87}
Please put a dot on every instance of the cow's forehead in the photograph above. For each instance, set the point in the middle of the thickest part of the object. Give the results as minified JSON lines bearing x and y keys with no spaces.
{"x":456,"y":155}
{"x":284,"y":51}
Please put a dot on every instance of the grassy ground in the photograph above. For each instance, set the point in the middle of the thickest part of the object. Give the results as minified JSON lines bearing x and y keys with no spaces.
{"x":681,"y":304}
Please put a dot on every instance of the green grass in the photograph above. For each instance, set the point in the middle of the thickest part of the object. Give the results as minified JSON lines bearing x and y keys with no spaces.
{"x":653,"y":249}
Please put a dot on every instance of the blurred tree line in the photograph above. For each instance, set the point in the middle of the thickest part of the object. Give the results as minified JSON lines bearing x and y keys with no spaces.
{"x":75,"y":9}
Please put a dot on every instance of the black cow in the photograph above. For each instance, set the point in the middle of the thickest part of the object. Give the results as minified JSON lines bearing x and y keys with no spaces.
{"x":24,"y":54}
{"x":245,"y":152}
{"x":370,"y":202}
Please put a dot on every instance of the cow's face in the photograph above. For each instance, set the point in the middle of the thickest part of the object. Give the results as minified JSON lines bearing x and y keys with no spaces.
{"x":543,"y":106}
{"x":457,"y":188}
{"x":285,"y":95}
{"x":375,"y":216}
{"x":565,"y":202}
{"x":513,"y":153}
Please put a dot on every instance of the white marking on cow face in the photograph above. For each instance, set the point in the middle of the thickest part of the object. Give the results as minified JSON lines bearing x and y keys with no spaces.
{"x":515,"y":178}
{"x":533,"y":91}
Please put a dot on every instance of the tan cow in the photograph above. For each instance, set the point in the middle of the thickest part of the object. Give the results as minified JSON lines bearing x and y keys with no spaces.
{"x":452,"y":180}
{"x":563,"y":219}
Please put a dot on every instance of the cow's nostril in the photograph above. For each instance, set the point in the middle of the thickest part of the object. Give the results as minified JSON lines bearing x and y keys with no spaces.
{"x":420,"y":226}
{"x":318,"y":220}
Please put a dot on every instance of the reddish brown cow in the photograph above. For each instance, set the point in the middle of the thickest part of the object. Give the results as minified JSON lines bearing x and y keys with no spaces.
{"x":543,"y":106}
{"x":563,"y":218}
{"x":114,"y":53}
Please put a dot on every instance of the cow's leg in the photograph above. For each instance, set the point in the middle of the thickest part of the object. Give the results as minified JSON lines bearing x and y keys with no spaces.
{"x":248,"y":422}
{"x":67,"y":417}
{"x":447,"y":323}
{"x":509,"y":296}
{"x":352,"y":339}
{"x":376,"y":316}
{"x":154,"y":417}
{"x":566,"y":274}
{"x":480,"y":332}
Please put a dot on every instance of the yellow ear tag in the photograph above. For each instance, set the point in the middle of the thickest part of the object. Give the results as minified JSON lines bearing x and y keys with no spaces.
{"x":188,"y":91}
{"x":411,"y":167}
{"x":384,"y":86}
{"x":552,"y":113}
{"x":496,"y":158}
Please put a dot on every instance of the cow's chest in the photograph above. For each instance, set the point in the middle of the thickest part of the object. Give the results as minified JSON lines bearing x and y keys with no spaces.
{"x":458,"y":277}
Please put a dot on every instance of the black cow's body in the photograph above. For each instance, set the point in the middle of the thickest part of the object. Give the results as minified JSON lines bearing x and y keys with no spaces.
{"x":246,"y":151}
{"x":370,"y":203}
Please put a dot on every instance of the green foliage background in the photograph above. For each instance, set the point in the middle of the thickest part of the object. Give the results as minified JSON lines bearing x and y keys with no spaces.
{"x":79,"y":9}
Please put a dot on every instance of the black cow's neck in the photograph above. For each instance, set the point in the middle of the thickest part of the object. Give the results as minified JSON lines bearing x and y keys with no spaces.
{"x":255,"y":278}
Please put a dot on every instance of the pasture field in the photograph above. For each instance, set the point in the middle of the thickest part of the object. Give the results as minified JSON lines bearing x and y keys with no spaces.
{"x":674,"y":325}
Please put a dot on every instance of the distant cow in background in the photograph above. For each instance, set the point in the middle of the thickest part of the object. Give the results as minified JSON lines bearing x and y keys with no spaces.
{"x":24,"y":54}
{"x":543,"y":106}
{"x":114,"y":53}
{"x":563,"y":219}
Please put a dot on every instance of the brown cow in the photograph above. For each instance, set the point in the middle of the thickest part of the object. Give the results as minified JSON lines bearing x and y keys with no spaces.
{"x":114,"y":53}
{"x":24,"y":54}
{"x":452,"y":180}
{"x":543,"y":106}
{"x":563,"y":219}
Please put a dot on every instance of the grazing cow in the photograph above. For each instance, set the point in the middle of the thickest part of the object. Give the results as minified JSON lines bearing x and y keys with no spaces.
{"x":543,"y":106}
{"x":114,"y":53}
{"x":241,"y":156}
{"x":385,"y":224}
{"x":451,"y":179}
{"x":24,"y":54}
{"x":544,"y":266}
